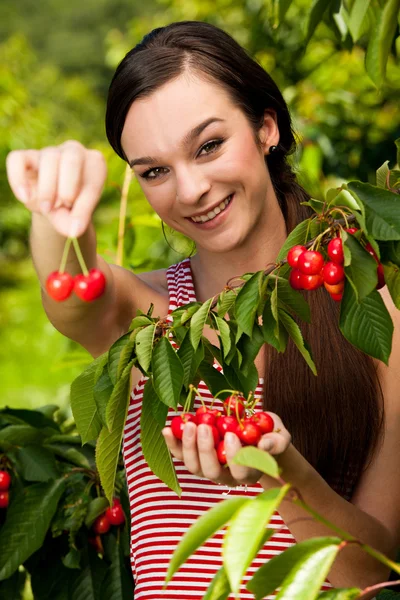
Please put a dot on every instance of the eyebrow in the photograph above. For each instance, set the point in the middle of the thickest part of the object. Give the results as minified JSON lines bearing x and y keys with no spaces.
{"x":187,"y":140}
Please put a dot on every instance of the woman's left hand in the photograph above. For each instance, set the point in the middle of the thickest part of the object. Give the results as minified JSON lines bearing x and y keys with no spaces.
{"x":197,"y":451}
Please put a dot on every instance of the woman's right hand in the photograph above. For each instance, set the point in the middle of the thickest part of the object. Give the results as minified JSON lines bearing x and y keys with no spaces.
{"x":64,"y":183}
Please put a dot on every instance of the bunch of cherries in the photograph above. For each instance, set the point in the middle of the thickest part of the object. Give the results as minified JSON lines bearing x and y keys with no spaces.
{"x":5,"y":482}
{"x":236,"y":416}
{"x":113,"y":515}
{"x":88,"y":285}
{"x":310,"y":271}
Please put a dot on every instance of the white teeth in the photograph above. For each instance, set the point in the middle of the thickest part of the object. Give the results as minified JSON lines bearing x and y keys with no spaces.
{"x":217,"y":210}
{"x":213,"y":213}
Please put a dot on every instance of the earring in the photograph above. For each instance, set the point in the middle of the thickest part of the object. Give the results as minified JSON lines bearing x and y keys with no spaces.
{"x":272,"y":149}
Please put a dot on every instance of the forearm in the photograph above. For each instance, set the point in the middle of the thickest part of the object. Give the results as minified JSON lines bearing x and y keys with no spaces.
{"x":353,"y":566}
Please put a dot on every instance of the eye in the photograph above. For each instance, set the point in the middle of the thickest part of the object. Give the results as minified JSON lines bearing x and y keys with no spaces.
{"x":214,"y":144}
{"x":146,"y":174}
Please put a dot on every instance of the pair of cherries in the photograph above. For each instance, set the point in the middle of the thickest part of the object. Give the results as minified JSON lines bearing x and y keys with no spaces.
{"x":5,"y":482}
{"x":60,"y":285}
{"x":232,"y":418}
{"x":114,"y":515}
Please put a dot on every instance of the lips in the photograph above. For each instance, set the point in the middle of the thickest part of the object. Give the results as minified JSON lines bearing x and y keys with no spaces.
{"x":211,"y":214}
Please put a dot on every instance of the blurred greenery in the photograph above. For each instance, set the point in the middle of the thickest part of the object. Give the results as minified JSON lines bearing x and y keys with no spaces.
{"x":56,"y":61}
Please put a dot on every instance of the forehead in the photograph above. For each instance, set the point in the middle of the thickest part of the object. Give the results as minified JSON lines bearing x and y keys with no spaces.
{"x":159,"y":122}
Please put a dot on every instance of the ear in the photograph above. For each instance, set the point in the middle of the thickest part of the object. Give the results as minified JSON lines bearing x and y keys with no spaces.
{"x":269,"y":132}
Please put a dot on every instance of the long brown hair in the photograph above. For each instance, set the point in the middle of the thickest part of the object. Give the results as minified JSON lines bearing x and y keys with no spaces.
{"x":336,"y":418}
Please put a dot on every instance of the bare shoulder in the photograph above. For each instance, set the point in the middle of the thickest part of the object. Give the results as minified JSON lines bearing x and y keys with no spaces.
{"x":156,"y":280}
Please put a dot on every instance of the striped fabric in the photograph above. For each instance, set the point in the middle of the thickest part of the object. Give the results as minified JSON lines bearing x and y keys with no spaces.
{"x":160,"y":517}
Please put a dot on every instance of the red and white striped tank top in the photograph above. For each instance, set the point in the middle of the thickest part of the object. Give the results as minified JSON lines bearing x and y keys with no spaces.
{"x":160,"y":518}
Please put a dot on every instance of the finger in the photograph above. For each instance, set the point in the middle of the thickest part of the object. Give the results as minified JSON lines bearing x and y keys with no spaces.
{"x":94,"y":176}
{"x":49,"y":159}
{"x":174,"y":445}
{"x":275,"y":443}
{"x":22,"y":167}
{"x":240,"y":473}
{"x":70,"y":173}
{"x":189,"y":449}
{"x":207,"y":455}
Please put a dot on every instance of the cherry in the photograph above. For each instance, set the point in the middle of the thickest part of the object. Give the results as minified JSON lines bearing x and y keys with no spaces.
{"x":372,"y":252}
{"x":115,"y":514}
{"x":207,"y":417}
{"x":311,"y":282}
{"x":294,"y":253}
{"x":5,"y":481}
{"x":337,"y":288}
{"x":333,"y":273}
{"x":381,"y":277}
{"x":91,"y":286}
{"x":59,"y":286}
{"x":4,"y":499}
{"x":264,"y":421}
{"x":178,"y":423}
{"x":249,"y":432}
{"x":221,"y":453}
{"x":227,"y":423}
{"x":335,"y":251}
{"x":337,"y":297}
{"x":101,"y":524}
{"x":310,"y":262}
{"x":295,"y":279}
{"x":97,"y":544}
{"x":351,"y":230}
{"x":216,"y":436}
{"x":234,"y":405}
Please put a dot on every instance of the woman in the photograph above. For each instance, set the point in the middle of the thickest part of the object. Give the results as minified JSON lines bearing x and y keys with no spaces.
{"x":207,"y":134}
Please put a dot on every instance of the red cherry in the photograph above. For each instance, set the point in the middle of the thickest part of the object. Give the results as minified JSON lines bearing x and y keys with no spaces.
{"x":5,"y":481}
{"x":226,"y":423}
{"x":4,"y":499}
{"x":206,"y":417}
{"x":381,"y":277}
{"x":59,"y":286}
{"x":91,"y":286}
{"x":295,"y":279}
{"x":372,"y":252}
{"x":216,"y":412}
{"x":311,"y":282}
{"x":115,"y":514}
{"x":337,"y":288}
{"x":97,"y":544}
{"x":216,"y":436}
{"x":249,"y":432}
{"x":234,"y":405}
{"x":101,"y":524}
{"x":333,"y":273}
{"x":294,"y":253}
{"x":221,"y":453}
{"x":337,"y":297}
{"x":178,"y":423}
{"x":335,"y":251}
{"x":310,"y":262}
{"x":264,"y":421}
{"x":351,"y":230}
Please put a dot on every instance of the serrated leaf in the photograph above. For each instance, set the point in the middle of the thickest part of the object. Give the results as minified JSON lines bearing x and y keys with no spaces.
{"x":382,"y":210}
{"x":144,"y":346}
{"x":102,"y":392}
{"x":198,"y":321}
{"x":154,"y":448}
{"x":381,"y":40}
{"x":344,"y":198}
{"x":119,"y":396}
{"x":280,"y":333}
{"x":249,"y":348}
{"x":367,"y":325}
{"x":392,"y":279}
{"x":292,"y":300}
{"x":127,"y":353}
{"x":238,"y":380}
{"x":30,"y":511}
{"x":190,"y":359}
{"x":381,"y":175}
{"x":114,"y":354}
{"x":356,"y":18}
{"x":219,"y":588}
{"x":255,"y":458}
{"x":167,"y":373}
{"x":203,"y":528}
{"x":273,"y":573}
{"x":189,"y":312}
{"x":214,"y":380}
{"x":36,"y":463}
{"x":159,"y":410}
{"x":268,"y":326}
{"x":140,"y":321}
{"x":83,"y":405}
{"x":247,"y":302}
{"x":225,"y":301}
{"x":246,"y":531}
{"x":71,"y":455}
{"x":361,"y":271}
{"x":295,"y":333}
{"x":225,"y":334}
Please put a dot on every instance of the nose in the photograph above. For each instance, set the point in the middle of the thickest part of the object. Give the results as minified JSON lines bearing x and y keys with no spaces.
{"x":191,"y":185}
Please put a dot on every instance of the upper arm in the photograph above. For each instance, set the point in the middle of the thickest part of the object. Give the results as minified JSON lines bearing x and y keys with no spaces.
{"x":378,"y":490}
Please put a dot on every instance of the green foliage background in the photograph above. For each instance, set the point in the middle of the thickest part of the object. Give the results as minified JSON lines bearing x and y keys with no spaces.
{"x":56,"y":61}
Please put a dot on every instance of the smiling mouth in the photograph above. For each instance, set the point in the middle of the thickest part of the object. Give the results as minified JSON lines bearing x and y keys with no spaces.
{"x":212,"y":213}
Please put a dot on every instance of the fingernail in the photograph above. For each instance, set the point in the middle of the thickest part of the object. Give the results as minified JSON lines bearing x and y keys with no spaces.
{"x":45,"y":207}
{"x":229,"y":438}
{"x":75,"y":228}
{"x":189,"y":431}
{"x":203,"y":432}
{"x":265,"y":445}
{"x":22,"y":195}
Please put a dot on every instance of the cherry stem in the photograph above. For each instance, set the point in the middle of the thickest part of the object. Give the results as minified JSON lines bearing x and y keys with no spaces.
{"x":79,"y":256}
{"x":231,"y":392}
{"x":375,"y":588}
{"x":65,"y":255}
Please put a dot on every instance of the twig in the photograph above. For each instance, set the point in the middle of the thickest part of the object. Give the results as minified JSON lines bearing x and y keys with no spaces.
{"x":122,"y":215}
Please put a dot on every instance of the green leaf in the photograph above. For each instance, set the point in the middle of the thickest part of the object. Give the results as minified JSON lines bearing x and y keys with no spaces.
{"x":35,"y":418}
{"x":273,"y":573}
{"x":102,"y":391}
{"x":114,"y":354}
{"x":140,"y":321}
{"x":190,"y":359}
{"x":117,"y":584}
{"x":341,"y":594}
{"x":13,"y":587}
{"x":225,"y":301}
{"x":367,"y":325}
{"x":292,"y":300}
{"x":28,"y":519}
{"x":301,"y":234}
{"x":342,"y":197}
{"x":20,"y":435}
{"x":246,"y":531}
{"x":280,"y":333}
{"x":381,"y":41}
{"x":214,"y":380}
{"x":159,"y":409}
{"x":250,"y":347}
{"x":382,"y":210}
{"x":255,"y":458}
{"x":83,"y":405}
{"x":144,"y":346}
{"x":381,"y":175}
{"x":284,"y":6}
{"x":96,"y":508}
{"x":268,"y":327}
{"x":315,"y":15}
{"x":361,"y":272}
{"x":247,"y":301}
{"x":155,"y":450}
{"x":127,"y":353}
{"x":168,"y":373}
{"x":392,"y":279}
{"x":225,"y":334}
{"x":72,"y":559}
{"x":189,"y":312}
{"x":357,"y":16}
{"x":198,"y":321}
{"x":71,"y":455}
{"x":390,"y":252}
{"x":119,"y":397}
{"x":36,"y":463}
{"x":219,"y":588}
{"x":238,"y":380}
{"x":203,"y":528}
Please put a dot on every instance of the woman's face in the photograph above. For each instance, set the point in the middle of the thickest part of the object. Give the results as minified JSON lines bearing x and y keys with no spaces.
{"x":196,"y":159}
